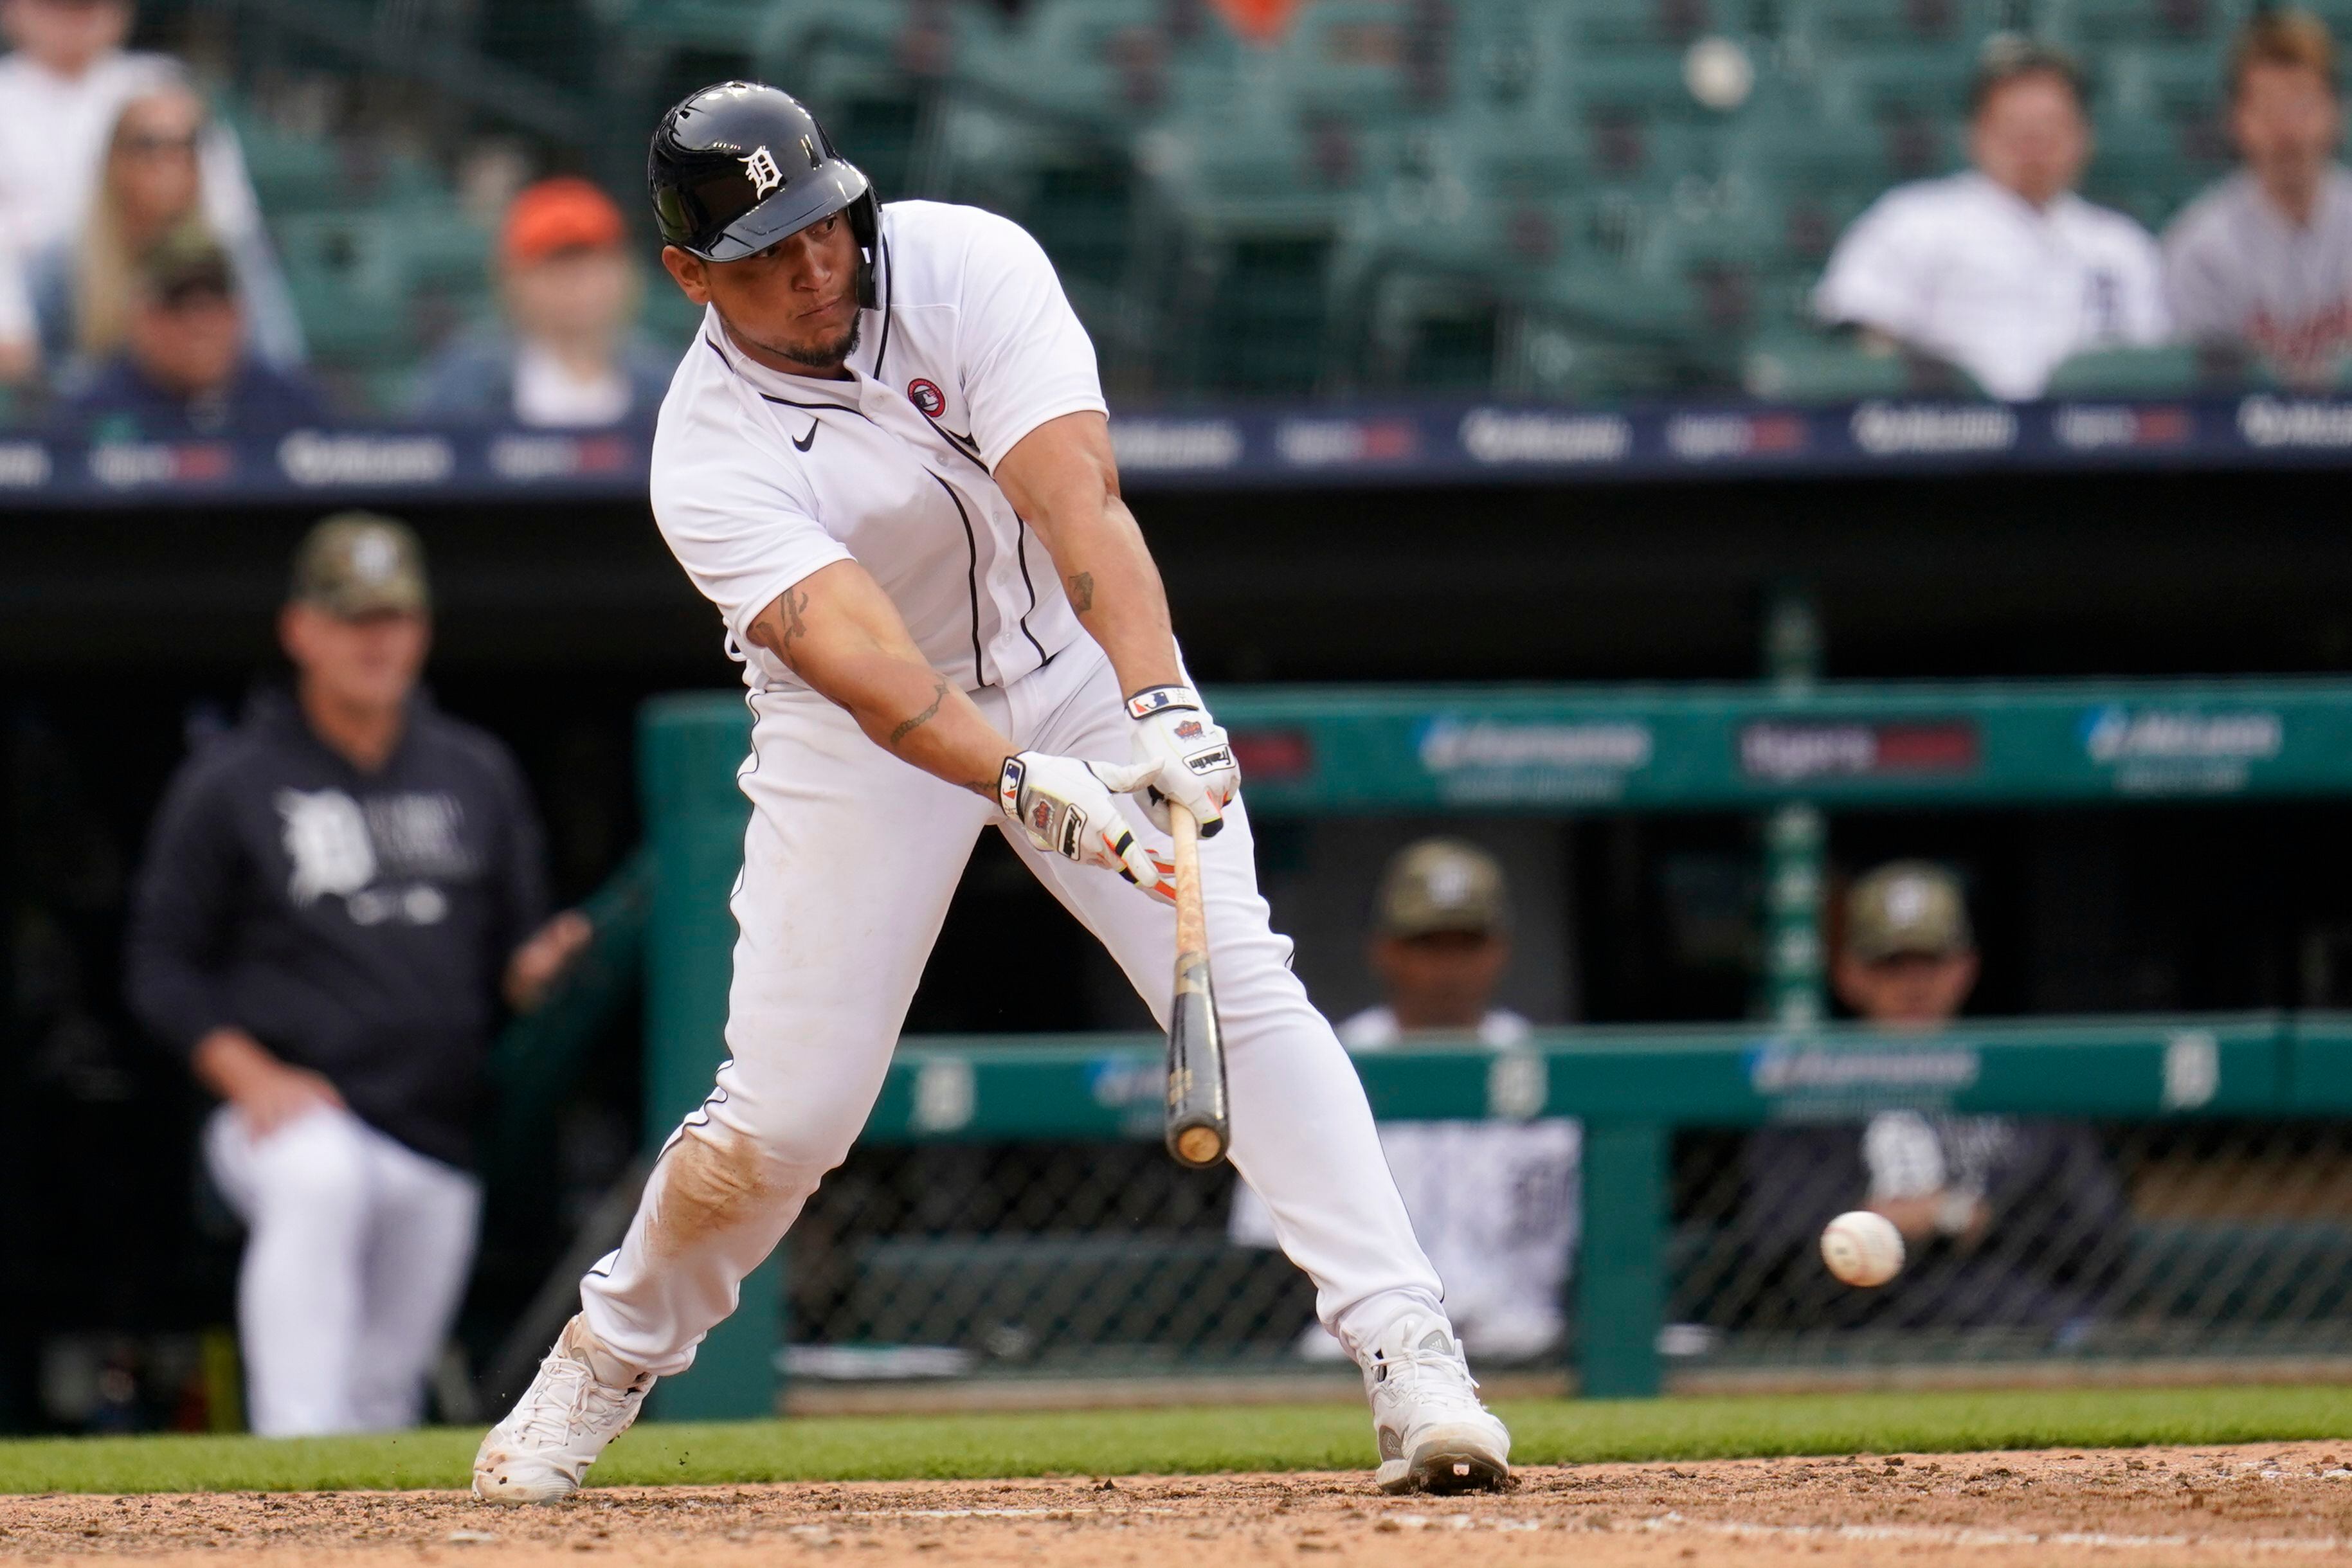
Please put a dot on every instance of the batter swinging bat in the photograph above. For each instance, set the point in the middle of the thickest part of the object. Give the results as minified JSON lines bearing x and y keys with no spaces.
{"x":1197,"y":1129}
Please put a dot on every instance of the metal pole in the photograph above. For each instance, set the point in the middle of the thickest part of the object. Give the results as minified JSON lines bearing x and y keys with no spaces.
{"x":1794,"y":835}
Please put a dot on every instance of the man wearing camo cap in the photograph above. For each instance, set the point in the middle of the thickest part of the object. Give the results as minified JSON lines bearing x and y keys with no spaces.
{"x":2002,"y":1217}
{"x":337,"y":896}
{"x":1493,"y":1203}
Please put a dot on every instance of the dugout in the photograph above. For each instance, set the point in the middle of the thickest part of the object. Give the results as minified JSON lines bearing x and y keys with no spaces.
{"x":158,"y":604}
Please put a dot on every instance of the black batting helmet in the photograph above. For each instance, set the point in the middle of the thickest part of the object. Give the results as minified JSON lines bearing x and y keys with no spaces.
{"x":736,"y":167}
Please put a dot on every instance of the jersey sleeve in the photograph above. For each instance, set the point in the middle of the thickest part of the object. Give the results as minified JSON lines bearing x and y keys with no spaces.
{"x":1877,"y":275}
{"x":1023,"y":355}
{"x":736,"y":518}
{"x":180,"y":912}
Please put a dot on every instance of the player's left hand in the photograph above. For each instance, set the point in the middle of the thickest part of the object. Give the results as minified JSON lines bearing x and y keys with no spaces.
{"x":1066,"y":807}
{"x":1192,"y":762}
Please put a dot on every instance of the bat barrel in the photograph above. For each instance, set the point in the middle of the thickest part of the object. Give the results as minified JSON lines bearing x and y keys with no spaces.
{"x":1198,"y":1127}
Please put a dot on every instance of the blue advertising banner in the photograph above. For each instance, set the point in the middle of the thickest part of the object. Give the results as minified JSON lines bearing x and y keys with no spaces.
{"x":1432,"y":443}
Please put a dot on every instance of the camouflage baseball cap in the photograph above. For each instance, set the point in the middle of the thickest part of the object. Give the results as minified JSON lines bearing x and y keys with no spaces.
{"x":1443,"y":885}
{"x":357,"y":563}
{"x":1906,"y":906}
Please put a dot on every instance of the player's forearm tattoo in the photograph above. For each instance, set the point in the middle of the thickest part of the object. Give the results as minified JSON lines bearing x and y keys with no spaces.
{"x":909,"y":726}
{"x":983,"y":787}
{"x":1082,"y":592}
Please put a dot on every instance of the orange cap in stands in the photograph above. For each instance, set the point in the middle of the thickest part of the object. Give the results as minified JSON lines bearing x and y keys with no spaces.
{"x":563,"y":214}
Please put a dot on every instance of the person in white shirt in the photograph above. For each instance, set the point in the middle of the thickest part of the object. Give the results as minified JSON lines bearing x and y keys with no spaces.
{"x":2002,"y":270}
{"x":2263,"y":260}
{"x":886,"y":460}
{"x":1495,"y":1202}
{"x":62,"y":88}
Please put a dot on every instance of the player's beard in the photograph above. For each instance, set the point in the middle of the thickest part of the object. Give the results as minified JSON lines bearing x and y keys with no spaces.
{"x":833,"y":355}
{"x":830,"y":357}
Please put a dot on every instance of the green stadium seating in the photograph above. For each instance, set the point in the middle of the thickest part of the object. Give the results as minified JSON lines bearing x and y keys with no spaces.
{"x":2089,"y":27}
{"x":1927,"y":83}
{"x":1814,"y":367}
{"x":1352,"y":61}
{"x":1829,"y":26}
{"x":1300,"y":212}
{"x":2168,"y":371}
{"x":1604,"y":26}
{"x":2172,"y":84}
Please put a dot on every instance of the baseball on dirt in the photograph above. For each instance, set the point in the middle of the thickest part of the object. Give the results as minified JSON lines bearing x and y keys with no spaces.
{"x":1862,"y":1249}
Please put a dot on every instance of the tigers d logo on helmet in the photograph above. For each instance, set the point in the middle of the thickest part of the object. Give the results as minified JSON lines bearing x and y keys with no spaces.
{"x":759,"y":165}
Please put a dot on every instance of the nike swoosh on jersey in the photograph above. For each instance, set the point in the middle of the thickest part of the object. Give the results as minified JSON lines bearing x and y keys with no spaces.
{"x":805,"y":442}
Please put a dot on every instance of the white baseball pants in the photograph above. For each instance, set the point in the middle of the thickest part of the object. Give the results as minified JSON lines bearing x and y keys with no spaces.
{"x":848,"y":865}
{"x":353,"y":1269}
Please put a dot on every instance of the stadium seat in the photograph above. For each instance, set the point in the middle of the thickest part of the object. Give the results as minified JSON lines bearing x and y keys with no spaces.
{"x":1609,"y":26}
{"x":2089,"y":27}
{"x":1927,"y":84}
{"x":1102,"y":62}
{"x":1360,"y":60}
{"x":2170,"y":84}
{"x":2167,"y":371}
{"x":1827,"y":27}
{"x":2149,"y":170}
{"x":1816,"y":367}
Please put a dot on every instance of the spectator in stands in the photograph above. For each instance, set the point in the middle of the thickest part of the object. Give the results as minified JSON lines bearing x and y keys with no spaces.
{"x":2008,"y":1223}
{"x":185,"y":371}
{"x":1493,"y":1203}
{"x":569,"y":355}
{"x":2004,"y":271}
{"x":2263,"y":260}
{"x":151,"y":187}
{"x":61,"y":88}
{"x":336,"y":897}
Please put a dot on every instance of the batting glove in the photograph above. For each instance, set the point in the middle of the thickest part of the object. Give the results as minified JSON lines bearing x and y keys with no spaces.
{"x":1189,"y":758}
{"x":1065,"y":808}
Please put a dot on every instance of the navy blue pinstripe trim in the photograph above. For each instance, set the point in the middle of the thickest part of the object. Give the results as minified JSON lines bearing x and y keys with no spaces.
{"x":889,"y":282}
{"x":1021,"y":552}
{"x":971,"y":577}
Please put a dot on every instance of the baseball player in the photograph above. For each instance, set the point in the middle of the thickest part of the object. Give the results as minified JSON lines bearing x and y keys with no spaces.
{"x":886,"y":460}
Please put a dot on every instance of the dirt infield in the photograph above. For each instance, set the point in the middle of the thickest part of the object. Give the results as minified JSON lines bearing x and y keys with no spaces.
{"x":2267,"y":1503}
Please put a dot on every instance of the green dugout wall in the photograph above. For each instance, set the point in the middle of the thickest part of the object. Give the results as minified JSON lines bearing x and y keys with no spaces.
{"x":1308,"y":752}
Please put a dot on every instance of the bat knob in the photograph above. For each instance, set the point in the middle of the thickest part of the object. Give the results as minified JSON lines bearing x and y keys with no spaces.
{"x":1199,"y":1146}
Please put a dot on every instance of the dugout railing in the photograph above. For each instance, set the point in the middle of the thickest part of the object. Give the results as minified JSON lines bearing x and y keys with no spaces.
{"x":1647,"y":1249}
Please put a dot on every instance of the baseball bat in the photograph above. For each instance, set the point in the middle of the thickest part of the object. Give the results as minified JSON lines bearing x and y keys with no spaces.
{"x":1198,"y":1129}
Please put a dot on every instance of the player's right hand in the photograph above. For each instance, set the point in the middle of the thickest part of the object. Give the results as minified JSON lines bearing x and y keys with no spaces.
{"x":1066,"y":807}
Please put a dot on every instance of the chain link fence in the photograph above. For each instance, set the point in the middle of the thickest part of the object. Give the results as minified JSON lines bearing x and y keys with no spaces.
{"x":2034,"y":1241}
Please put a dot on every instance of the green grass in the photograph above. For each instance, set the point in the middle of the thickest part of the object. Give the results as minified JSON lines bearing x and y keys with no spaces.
{"x":1255,"y":1437}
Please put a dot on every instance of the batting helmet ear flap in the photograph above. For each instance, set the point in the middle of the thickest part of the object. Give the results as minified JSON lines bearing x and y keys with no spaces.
{"x":866,"y":227}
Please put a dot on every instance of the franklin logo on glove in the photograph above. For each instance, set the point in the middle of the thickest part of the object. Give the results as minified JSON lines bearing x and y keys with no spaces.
{"x":1170,"y":727}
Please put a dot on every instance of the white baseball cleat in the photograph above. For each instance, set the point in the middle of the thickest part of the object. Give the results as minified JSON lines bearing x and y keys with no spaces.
{"x":1434,"y":1436}
{"x":582,"y":1398}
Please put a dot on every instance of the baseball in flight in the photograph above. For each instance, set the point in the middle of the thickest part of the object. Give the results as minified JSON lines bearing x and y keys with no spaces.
{"x":1861,"y":1248}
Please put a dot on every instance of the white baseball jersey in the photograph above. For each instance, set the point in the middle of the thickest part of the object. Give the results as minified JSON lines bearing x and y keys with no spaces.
{"x":1973,"y":273}
{"x":852,"y":855}
{"x":761,"y":478}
